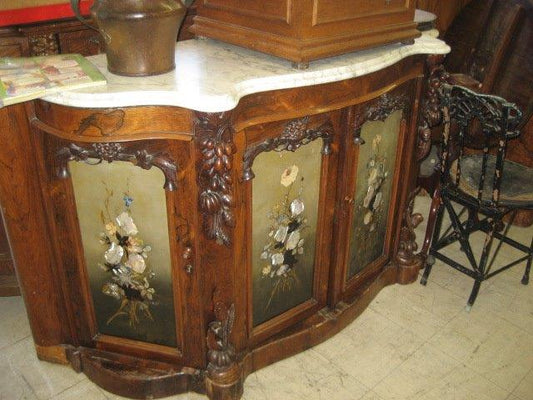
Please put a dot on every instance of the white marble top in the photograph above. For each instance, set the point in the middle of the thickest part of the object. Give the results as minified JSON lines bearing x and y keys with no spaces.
{"x":212,"y":76}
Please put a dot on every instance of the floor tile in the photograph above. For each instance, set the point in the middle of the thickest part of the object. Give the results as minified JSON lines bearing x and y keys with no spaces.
{"x":524,"y":390}
{"x":464,"y":384}
{"x":417,"y":376}
{"x":82,"y":390}
{"x":45,"y":379}
{"x":415,"y":307}
{"x":371,"y":395}
{"x":13,"y":385}
{"x":13,"y":321}
{"x":504,"y":357}
{"x":370,"y":348}
{"x":307,"y":376}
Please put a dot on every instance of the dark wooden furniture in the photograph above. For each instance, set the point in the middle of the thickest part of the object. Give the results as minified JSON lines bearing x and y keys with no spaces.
{"x":306,"y":30}
{"x":491,"y":42}
{"x":51,"y":37}
{"x":487,"y":186}
{"x":354,"y":140}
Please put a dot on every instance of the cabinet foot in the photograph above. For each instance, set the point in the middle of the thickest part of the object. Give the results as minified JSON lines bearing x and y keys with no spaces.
{"x":226,"y":384}
{"x":55,"y":354}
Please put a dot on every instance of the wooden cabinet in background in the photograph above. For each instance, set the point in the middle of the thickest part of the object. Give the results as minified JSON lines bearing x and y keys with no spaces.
{"x":302,"y":31}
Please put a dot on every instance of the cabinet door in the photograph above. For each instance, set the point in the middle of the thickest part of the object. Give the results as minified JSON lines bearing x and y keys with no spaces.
{"x":121,"y":243}
{"x":369,"y":195}
{"x":289,"y":173}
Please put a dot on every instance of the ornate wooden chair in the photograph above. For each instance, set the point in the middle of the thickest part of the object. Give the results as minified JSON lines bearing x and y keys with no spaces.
{"x":475,"y":177}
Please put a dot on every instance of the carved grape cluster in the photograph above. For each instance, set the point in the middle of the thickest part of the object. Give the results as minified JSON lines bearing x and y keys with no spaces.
{"x":216,"y":200}
{"x":107,"y":151}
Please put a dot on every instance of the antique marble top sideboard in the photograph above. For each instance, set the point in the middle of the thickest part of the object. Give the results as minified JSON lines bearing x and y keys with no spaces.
{"x":177,"y":232}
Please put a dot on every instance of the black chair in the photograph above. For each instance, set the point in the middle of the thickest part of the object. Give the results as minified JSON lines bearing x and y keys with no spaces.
{"x":476,"y":179}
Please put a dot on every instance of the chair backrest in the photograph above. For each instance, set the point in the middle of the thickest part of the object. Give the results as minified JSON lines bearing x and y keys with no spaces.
{"x":474,"y":122}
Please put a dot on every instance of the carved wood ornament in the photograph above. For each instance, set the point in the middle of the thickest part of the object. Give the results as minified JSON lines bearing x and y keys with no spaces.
{"x":431,"y":109}
{"x":214,"y":139}
{"x":221,"y":353}
{"x":295,"y":135}
{"x":407,"y":247}
{"x":106,"y":123}
{"x":379,"y":110}
{"x":99,"y":152}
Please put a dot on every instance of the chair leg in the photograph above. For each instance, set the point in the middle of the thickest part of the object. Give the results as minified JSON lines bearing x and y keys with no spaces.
{"x":481,"y":268}
{"x":473,"y":295}
{"x":430,"y":260}
{"x":437,"y":226}
{"x":432,"y":219}
{"x":525,"y":278}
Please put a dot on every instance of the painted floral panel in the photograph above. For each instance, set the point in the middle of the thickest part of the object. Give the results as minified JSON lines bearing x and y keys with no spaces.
{"x":123,"y":221}
{"x":284,"y":224}
{"x":373,"y":191}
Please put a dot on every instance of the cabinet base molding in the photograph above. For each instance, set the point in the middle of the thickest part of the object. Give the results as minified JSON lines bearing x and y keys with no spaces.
{"x":139,"y":378}
{"x":133,"y":377}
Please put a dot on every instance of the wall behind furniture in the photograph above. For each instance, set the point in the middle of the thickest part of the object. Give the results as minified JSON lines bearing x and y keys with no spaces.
{"x":446,"y":10}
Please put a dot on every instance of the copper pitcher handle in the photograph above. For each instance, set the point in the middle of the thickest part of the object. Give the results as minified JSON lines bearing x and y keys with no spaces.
{"x":75,"y":5}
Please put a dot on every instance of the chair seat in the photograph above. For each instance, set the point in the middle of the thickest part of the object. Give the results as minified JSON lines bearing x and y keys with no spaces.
{"x":516,"y":188}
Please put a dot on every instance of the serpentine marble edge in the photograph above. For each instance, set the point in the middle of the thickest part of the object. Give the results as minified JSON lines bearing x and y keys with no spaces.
{"x":212,"y":76}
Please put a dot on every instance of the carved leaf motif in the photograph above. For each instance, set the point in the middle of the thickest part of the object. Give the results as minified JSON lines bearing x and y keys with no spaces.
{"x":117,"y":152}
{"x":379,"y":110}
{"x":295,"y":135}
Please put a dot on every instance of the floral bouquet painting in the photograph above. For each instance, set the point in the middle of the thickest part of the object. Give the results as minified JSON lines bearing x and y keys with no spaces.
{"x":376,"y":176}
{"x":285,"y":242}
{"x":125,"y":259}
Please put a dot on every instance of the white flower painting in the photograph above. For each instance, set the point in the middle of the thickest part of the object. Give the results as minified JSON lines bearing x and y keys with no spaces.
{"x":284,"y":243}
{"x":126,"y":261}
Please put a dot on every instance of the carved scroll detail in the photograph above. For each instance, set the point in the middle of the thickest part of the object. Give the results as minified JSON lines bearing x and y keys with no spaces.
{"x":214,"y":138}
{"x":99,"y":152}
{"x":431,"y":109}
{"x":221,"y":353}
{"x":296,"y":134}
{"x":379,"y":110}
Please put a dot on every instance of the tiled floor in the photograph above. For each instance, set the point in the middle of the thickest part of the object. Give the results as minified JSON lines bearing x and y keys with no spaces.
{"x":412,"y":342}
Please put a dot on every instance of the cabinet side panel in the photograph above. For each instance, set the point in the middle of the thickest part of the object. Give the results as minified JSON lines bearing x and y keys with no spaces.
{"x":20,"y":196}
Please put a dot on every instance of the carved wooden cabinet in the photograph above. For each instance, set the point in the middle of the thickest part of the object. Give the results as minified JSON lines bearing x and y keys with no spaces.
{"x":180,"y":250}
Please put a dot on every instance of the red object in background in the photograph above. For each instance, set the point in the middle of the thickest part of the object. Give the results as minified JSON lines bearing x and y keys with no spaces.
{"x":41,"y":13}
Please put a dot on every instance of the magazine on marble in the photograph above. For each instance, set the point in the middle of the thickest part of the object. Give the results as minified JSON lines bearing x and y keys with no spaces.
{"x":28,"y":78}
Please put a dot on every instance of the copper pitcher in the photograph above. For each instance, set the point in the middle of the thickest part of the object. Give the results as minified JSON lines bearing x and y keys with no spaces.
{"x":140,"y":35}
